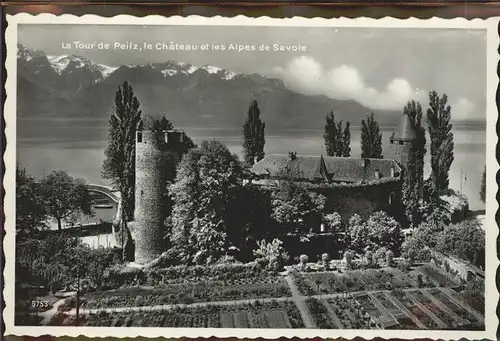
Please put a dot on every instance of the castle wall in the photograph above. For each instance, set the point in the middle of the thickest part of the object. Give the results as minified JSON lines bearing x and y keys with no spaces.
{"x":152,"y":169}
{"x":362,"y":200}
{"x":400,"y":152}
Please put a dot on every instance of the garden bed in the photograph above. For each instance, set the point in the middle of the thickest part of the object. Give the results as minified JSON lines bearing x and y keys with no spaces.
{"x":437,"y":275}
{"x":356,"y":280}
{"x":274,"y":314}
{"x":349,"y":313}
{"x":414,"y":309}
{"x":448,"y":320}
{"x":320,"y":314}
{"x":188,"y":293}
{"x":463,"y":313}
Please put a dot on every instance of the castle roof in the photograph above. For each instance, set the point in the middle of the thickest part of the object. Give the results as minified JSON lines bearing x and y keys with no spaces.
{"x":314,"y":168}
{"x":406,"y":131}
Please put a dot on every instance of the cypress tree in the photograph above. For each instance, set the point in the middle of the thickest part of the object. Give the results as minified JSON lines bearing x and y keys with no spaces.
{"x":330,"y":134}
{"x":119,"y":165}
{"x":337,"y":137}
{"x":413,"y":183}
{"x":482,"y":192}
{"x":253,"y":135}
{"x":371,"y":139}
{"x":438,"y":118}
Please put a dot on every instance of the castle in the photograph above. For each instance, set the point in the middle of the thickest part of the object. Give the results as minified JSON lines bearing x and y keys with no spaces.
{"x":365,"y":185}
{"x":351,"y":185}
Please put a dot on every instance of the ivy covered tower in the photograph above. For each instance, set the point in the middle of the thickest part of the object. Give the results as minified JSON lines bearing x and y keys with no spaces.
{"x":153,"y":168}
{"x":402,"y":141}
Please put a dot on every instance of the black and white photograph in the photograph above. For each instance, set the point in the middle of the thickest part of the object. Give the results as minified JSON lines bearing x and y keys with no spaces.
{"x":230,"y":176}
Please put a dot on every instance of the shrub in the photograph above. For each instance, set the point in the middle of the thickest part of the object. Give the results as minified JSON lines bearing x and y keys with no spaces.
{"x":389,"y":257}
{"x":348,"y":256}
{"x":369,"y":258}
{"x":272,"y":253}
{"x":333,"y":222}
{"x":325,"y":258}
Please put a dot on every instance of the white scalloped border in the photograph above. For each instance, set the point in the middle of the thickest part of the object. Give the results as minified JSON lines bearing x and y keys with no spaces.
{"x":492,"y":262}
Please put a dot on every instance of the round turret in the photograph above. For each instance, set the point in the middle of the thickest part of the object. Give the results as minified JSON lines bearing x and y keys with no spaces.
{"x":402,"y":141}
{"x":151,"y":168}
{"x":406,"y":132}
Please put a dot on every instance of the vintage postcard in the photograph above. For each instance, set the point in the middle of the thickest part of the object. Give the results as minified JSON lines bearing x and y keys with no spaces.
{"x":239,"y":177}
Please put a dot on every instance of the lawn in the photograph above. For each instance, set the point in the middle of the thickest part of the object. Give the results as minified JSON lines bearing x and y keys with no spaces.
{"x":189,"y":293}
{"x":273,"y":314}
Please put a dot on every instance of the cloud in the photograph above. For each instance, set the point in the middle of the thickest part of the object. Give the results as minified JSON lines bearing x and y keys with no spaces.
{"x":463,"y":110}
{"x":306,"y":75}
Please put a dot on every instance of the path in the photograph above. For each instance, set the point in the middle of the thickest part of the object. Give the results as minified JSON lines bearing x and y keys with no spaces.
{"x":300,"y":301}
{"x":49,"y":314}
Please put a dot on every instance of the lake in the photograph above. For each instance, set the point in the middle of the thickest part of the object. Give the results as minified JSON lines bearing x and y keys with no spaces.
{"x":79,"y":150}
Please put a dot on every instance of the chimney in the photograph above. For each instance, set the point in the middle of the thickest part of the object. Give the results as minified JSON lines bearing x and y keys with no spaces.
{"x":292,"y":156}
{"x":377,"y":174}
{"x":392,"y":172}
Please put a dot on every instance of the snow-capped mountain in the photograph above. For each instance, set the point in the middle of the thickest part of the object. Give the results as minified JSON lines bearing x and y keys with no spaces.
{"x":65,"y":63}
{"x":74,"y":86}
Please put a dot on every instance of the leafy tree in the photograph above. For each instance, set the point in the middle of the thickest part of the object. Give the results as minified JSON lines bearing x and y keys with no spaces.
{"x":30,"y":210}
{"x":371,"y":138}
{"x":438,"y":118}
{"x":253,"y":135}
{"x":295,"y":208}
{"x":413,"y":177}
{"x":416,"y":246}
{"x":482,"y":192}
{"x":434,"y":209}
{"x":337,"y":137}
{"x":465,"y":240}
{"x":380,"y":230}
{"x":385,"y":231}
{"x":119,"y":165}
{"x":357,"y":233}
{"x":65,"y":198}
{"x":201,"y":193}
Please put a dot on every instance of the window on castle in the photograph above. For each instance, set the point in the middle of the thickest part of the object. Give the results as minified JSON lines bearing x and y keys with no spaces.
{"x":401,"y":143}
{"x":139,"y":137}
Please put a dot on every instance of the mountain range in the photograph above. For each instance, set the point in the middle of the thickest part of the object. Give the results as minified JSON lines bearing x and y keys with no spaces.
{"x":74,"y":87}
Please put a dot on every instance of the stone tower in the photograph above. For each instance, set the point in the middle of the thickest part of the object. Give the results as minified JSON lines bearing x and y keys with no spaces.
{"x":402,"y":140}
{"x":153,"y":167}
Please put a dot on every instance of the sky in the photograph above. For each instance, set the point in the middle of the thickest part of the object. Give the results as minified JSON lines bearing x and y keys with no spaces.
{"x":382,"y":68}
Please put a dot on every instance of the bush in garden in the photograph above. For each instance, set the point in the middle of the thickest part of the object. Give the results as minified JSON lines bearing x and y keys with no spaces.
{"x":303,"y":259}
{"x":274,"y":251}
{"x":379,"y":257}
{"x":380,"y":230}
{"x":369,"y":258}
{"x":348,"y":257}
{"x":333,"y":222}
{"x":389,"y":258}
{"x":325,"y":258}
